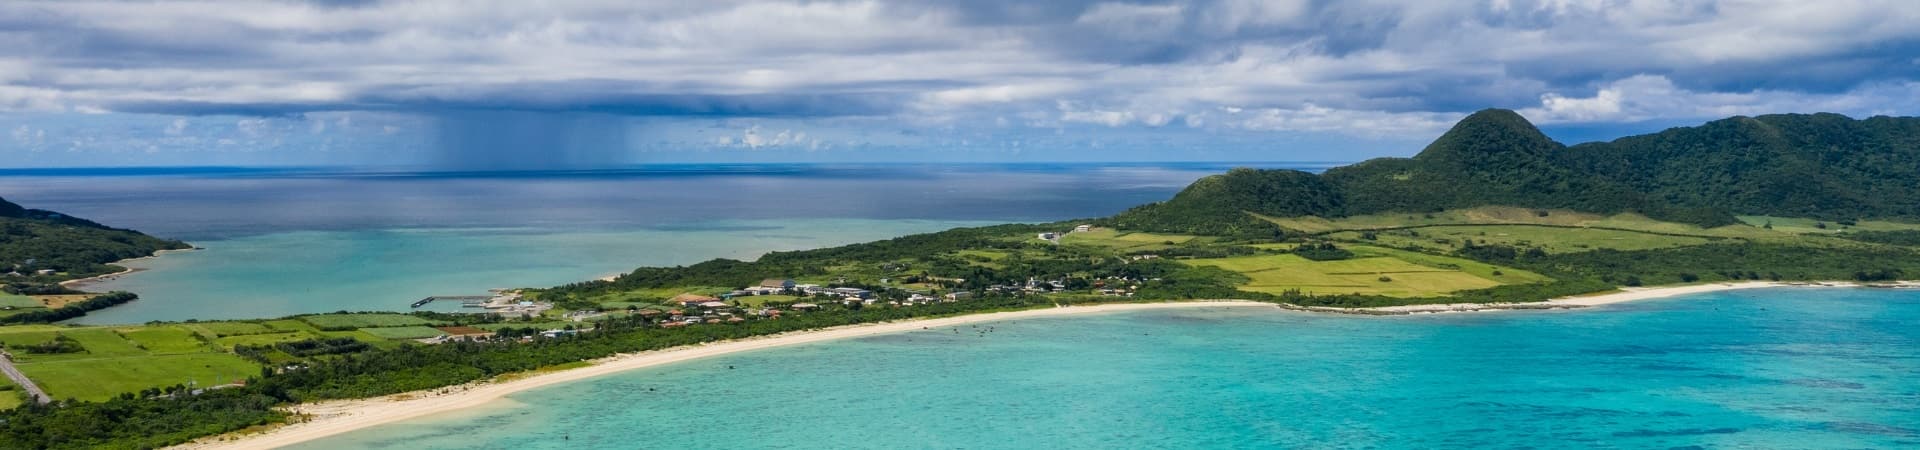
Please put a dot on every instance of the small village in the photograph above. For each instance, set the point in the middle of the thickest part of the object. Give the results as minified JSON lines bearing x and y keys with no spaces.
{"x":772,"y":297}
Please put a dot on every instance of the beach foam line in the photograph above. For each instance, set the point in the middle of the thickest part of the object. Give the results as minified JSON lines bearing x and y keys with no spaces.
{"x":1622,"y":296}
{"x":342,"y":416}
{"x":82,"y":283}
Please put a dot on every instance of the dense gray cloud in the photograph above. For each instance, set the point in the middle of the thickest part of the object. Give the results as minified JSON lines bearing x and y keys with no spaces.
{"x":1360,"y":67}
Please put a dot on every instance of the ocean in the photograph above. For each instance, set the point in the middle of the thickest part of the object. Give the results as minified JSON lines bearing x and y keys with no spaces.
{"x":1800,"y":368}
{"x":283,"y":241}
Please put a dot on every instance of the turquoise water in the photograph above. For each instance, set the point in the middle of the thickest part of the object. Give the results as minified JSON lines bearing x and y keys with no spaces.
{"x":291,"y":240}
{"x":1779,"y":368}
{"x":280,"y":274}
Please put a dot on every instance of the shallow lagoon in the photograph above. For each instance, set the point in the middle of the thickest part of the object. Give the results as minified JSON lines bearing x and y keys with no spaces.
{"x":1771,"y":368}
{"x":290,"y":241}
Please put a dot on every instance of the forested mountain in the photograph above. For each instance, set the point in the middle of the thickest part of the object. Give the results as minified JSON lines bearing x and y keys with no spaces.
{"x":32,"y":240}
{"x":1823,"y":166}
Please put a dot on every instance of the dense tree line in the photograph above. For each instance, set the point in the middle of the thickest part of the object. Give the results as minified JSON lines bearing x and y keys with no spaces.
{"x":1732,"y":262}
{"x":1322,"y":251}
{"x":70,"y":310}
{"x":132,"y":422}
{"x":1909,"y":238}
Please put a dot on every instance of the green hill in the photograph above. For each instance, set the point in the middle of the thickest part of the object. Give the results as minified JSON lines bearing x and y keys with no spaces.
{"x":1823,"y":166}
{"x":32,"y":240}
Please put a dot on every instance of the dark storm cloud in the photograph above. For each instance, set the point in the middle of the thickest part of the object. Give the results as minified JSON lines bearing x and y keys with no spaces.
{"x":1301,"y":64}
{"x":677,"y":105}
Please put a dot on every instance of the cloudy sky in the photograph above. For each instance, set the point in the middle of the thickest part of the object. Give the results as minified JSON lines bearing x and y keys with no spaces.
{"x":523,"y":83}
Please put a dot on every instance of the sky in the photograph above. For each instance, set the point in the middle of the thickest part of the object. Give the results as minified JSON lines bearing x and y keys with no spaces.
{"x":503,"y":84}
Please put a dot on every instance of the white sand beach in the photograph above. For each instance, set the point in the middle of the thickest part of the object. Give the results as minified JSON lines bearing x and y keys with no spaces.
{"x":80,"y":284}
{"x":1607,"y":298}
{"x":336,"y":417}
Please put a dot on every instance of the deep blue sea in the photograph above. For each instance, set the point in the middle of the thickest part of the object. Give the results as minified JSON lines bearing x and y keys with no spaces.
{"x":1769,"y":369}
{"x":285,"y":241}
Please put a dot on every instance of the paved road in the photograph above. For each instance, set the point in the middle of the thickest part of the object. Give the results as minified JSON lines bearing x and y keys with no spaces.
{"x":6,"y":365}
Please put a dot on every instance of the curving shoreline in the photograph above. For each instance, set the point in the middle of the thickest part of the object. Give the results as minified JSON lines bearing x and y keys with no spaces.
{"x":80,"y":284}
{"x":330,"y":418}
{"x":1600,"y":299}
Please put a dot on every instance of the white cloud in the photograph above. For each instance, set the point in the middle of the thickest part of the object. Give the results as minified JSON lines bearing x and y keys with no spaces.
{"x":1365,"y":68}
{"x":1314,"y":118}
{"x":1646,"y":97}
{"x":27,"y":136}
{"x":251,"y":127}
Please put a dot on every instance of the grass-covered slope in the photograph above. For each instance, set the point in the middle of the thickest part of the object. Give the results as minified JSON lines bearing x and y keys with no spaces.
{"x":1820,"y":166}
{"x":1213,"y":204}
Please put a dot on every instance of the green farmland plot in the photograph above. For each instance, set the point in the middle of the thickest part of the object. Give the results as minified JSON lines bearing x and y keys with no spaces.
{"x":1386,"y":274}
{"x":16,"y":340}
{"x":18,"y":301}
{"x":103,"y":342}
{"x":165,"y":340}
{"x":348,"y":321}
{"x":1125,"y":242}
{"x":96,"y":379}
{"x":1551,"y":239}
{"x":225,"y":329}
{"x":263,"y":339}
{"x":412,"y":332}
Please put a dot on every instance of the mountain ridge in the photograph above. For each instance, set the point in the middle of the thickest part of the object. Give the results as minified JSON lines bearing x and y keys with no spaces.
{"x":1823,"y":165}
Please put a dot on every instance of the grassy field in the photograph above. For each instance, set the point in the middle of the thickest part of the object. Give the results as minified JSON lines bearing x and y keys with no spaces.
{"x":10,"y":395}
{"x":412,"y":332}
{"x":101,"y":342}
{"x":263,"y":339}
{"x":56,"y":301}
{"x":1125,"y":242}
{"x":655,"y":297}
{"x":120,"y":359}
{"x":538,"y":325}
{"x":1500,"y":215}
{"x":102,"y":378}
{"x":1551,"y":239}
{"x":757,"y":300}
{"x":1811,"y":226}
{"x":1504,"y":275}
{"x":1427,"y":275}
{"x":166,"y":340}
{"x":1481,"y":215}
{"x":337,"y":321}
{"x":14,"y":337}
{"x":17,"y":301}
{"x":224,"y":329}
{"x":290,"y":325}
{"x":984,"y":258}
